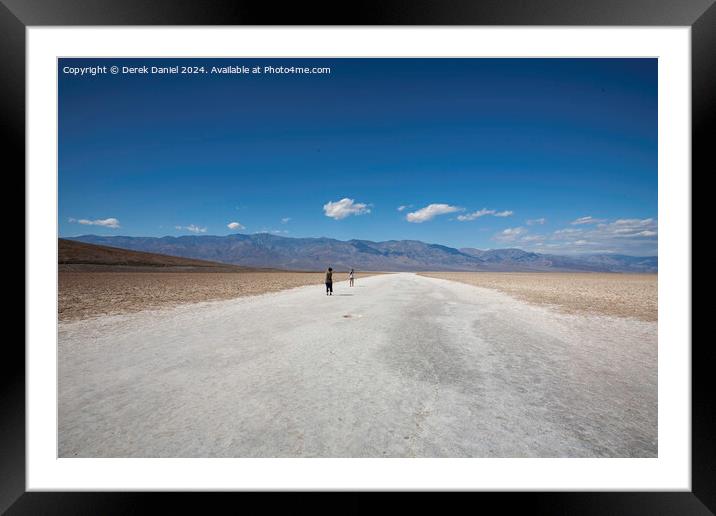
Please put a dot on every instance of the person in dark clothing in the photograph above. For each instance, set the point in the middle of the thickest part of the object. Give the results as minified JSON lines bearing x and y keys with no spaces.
{"x":329,"y":282}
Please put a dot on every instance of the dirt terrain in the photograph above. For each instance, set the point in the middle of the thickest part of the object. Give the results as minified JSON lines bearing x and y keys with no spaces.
{"x":75,"y":256}
{"x":98,"y":280}
{"x":619,"y":295}
{"x":89,"y":294}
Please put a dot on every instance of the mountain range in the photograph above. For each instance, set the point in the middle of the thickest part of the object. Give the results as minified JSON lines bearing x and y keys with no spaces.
{"x":272,"y":251}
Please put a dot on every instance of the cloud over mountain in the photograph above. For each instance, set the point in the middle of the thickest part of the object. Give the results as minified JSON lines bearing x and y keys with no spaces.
{"x":429,"y":212}
{"x":344,"y":208}
{"x":483,"y":212}
{"x":586,"y":220}
{"x":192,"y":228}
{"x":533,"y":222}
{"x":107,"y":223}
{"x":628,"y":236}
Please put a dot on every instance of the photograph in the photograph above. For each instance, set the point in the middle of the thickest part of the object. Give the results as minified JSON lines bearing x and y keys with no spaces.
{"x":348,"y":257}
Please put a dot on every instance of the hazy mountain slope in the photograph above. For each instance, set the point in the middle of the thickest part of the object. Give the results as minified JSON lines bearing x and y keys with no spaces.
{"x":517,"y":259}
{"x":265,"y":250}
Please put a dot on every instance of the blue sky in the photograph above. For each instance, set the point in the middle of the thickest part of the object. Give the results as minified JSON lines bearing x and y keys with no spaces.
{"x":551,"y":155}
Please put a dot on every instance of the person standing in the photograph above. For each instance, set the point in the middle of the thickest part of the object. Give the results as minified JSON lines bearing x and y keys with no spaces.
{"x":329,"y":282}
{"x":350,"y":277}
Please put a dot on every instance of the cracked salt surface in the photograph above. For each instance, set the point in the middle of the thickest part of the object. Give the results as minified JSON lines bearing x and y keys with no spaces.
{"x":460,"y":371}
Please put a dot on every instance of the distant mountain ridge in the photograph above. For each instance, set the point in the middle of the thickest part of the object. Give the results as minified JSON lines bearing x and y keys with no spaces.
{"x":266,"y":250}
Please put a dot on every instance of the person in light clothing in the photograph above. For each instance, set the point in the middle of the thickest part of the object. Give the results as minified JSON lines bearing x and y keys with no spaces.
{"x":350,"y":277}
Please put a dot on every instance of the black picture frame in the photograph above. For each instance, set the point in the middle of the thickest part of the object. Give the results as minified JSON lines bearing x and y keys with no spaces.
{"x":17,"y":15}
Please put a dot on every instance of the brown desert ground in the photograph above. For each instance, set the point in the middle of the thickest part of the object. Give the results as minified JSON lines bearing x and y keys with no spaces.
{"x":100,"y":280}
{"x":73,"y":256}
{"x":613,"y":294}
{"x":89,"y":294}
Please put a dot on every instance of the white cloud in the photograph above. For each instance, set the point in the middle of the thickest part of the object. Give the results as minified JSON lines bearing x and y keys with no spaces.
{"x":638,"y":237}
{"x":483,"y":212}
{"x":404,"y":207}
{"x":235,"y":225}
{"x":107,"y":223}
{"x":475,"y":214}
{"x":586,"y":220}
{"x":533,"y":238}
{"x":510,"y":234}
{"x":634,"y":222}
{"x":345,"y":207}
{"x":533,"y":222}
{"x":195,"y":229}
{"x":272,"y":231}
{"x":566,"y":233}
{"x":429,"y":212}
{"x":630,"y":228}
{"x":285,"y":220}
{"x":191,"y":227}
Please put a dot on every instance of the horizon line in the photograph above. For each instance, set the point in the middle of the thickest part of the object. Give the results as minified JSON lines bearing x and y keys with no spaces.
{"x":542,"y":252}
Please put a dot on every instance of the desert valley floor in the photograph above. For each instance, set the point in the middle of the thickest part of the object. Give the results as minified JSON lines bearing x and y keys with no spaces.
{"x":401,"y":365}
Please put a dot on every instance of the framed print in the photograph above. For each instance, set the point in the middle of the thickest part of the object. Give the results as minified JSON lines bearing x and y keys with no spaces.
{"x":427,"y":248}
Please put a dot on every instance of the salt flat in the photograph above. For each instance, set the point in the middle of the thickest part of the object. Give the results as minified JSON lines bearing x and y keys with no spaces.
{"x":399,"y":366}
{"x":92,"y":293}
